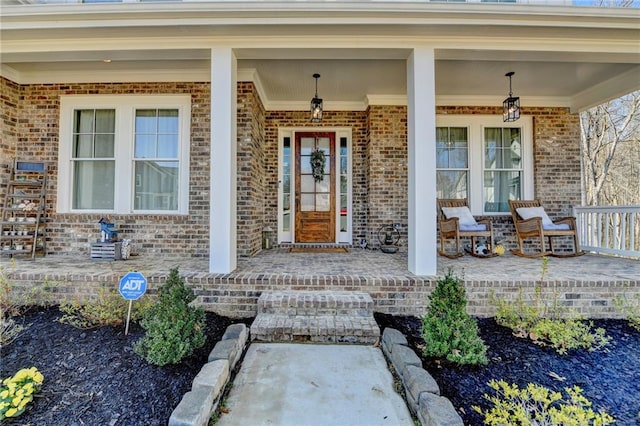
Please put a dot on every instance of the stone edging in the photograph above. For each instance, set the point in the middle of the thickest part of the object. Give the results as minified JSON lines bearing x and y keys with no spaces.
{"x":422,"y":391}
{"x":201,"y":401}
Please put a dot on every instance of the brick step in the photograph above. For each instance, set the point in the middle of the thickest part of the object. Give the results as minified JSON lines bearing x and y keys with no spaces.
{"x":316,"y":303}
{"x":315,"y":328}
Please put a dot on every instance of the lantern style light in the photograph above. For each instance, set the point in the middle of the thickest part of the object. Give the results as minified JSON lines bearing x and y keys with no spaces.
{"x":316,"y":104}
{"x":511,"y":105}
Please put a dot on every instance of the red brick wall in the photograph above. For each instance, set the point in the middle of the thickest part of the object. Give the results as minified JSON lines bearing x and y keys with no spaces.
{"x":30,"y":117}
{"x":9,"y":110}
{"x":387,"y":166}
{"x":37,"y":138}
{"x":251,"y":170}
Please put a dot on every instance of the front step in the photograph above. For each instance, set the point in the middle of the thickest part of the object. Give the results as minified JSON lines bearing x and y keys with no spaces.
{"x":319,"y":317}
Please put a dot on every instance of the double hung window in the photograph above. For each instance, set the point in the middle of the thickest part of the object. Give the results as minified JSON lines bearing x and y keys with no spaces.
{"x":480,"y":158}
{"x":124,"y":154}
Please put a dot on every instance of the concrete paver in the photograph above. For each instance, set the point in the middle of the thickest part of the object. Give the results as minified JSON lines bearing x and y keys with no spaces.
{"x":306,"y":385}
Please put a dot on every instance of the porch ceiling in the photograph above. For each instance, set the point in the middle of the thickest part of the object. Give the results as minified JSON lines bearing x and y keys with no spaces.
{"x":577,"y":59}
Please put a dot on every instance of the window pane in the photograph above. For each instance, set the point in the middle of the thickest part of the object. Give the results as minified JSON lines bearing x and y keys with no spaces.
{"x":93,"y":185}
{"x":451,"y":184}
{"x":323,"y":185}
{"x":145,"y":146}
{"x":105,"y":121}
{"x":83,"y":121}
{"x":104,"y":146}
{"x":167,"y":146}
{"x":156,"y":185}
{"x":168,"y":121}
{"x":146,"y":121}
{"x":502,"y":148}
{"x":322,"y":203}
{"x":82,"y":146}
{"x":305,"y":164}
{"x":499,"y":187}
{"x":307,"y":202}
{"x":343,"y":165}
{"x":307,"y":183}
{"x":307,"y":145}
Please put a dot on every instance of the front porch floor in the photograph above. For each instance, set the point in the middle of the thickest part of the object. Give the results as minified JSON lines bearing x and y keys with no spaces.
{"x":588,"y":283}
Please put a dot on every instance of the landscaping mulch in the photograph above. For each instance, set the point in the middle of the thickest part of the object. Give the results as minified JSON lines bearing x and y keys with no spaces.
{"x":610,"y":379}
{"x":93,"y":377}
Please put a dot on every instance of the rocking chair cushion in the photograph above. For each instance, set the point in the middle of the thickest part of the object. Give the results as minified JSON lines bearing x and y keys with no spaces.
{"x":476,"y":227}
{"x":463,"y":214}
{"x":529,"y":212}
{"x":556,"y":227}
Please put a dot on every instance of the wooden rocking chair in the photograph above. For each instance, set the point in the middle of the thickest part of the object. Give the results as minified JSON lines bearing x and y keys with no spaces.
{"x":531,"y":221}
{"x":455,"y":221}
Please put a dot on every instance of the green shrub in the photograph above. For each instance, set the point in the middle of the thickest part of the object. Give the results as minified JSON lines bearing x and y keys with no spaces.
{"x":630,"y":307}
{"x":537,"y":405}
{"x":448,"y":330}
{"x":542,"y":321}
{"x":108,"y":309}
{"x":173,"y":328}
{"x":9,"y":328}
{"x":571,"y":333}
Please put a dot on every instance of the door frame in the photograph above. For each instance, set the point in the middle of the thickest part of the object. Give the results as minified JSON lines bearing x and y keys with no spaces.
{"x":340,"y":133}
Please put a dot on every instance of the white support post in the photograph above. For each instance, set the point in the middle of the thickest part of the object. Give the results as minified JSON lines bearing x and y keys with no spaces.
{"x":223,"y":195}
{"x":421,"y":136}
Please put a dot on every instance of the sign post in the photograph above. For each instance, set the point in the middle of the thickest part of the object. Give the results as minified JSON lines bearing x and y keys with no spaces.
{"x":132,"y":287}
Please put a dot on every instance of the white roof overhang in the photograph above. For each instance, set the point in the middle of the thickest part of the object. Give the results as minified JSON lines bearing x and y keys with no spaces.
{"x":562,"y":56}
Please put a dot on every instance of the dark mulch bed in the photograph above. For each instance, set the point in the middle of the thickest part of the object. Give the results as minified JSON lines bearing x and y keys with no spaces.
{"x":93,"y":377}
{"x":611,"y":380}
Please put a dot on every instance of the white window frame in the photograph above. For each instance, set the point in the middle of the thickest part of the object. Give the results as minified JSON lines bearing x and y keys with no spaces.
{"x":125,"y":107}
{"x":476,"y":125}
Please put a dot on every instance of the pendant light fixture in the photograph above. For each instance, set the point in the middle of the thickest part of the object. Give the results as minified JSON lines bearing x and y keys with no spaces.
{"x":316,"y":104}
{"x":511,"y":105}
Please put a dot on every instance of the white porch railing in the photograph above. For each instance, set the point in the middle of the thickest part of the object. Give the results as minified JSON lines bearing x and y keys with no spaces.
{"x":609,"y":230}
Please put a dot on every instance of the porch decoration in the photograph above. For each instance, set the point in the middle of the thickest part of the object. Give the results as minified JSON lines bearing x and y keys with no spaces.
{"x":389,"y":236}
{"x":316,"y":104}
{"x":511,"y":105}
{"x":318,"y":161}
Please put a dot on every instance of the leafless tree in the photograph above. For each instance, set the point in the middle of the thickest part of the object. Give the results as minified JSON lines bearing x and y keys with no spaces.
{"x":611,"y":152}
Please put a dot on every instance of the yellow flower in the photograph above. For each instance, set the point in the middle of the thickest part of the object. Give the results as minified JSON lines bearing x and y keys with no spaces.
{"x":21,"y":375}
{"x":499,"y":250}
{"x":4,"y":394}
{"x":16,"y":400}
{"x":11,"y":412}
{"x":38,"y":377}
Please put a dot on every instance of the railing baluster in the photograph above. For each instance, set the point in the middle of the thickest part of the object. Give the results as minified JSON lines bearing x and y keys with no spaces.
{"x":609,"y":230}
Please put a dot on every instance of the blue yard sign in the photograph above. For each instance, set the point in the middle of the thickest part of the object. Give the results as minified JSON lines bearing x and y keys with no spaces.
{"x":132,"y":286}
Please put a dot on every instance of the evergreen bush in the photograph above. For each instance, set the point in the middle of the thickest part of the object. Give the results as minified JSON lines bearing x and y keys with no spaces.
{"x":448,"y":330}
{"x":174,"y":329}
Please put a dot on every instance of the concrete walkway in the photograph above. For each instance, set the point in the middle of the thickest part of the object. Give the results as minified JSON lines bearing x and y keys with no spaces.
{"x":305,"y":385}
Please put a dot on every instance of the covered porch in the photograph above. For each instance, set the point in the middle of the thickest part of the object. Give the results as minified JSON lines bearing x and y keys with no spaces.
{"x":587,"y":284}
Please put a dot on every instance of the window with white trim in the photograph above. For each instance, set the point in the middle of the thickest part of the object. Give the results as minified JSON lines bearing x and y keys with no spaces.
{"x":483,"y":159}
{"x":124,"y":154}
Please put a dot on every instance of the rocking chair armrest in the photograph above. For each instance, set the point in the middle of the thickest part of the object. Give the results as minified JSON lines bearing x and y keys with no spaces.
{"x":529,"y":225}
{"x":569,"y":220}
{"x":485,"y":222}
{"x":449,"y":225}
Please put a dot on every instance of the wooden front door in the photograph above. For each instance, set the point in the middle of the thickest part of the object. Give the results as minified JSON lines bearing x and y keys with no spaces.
{"x":315,"y":197}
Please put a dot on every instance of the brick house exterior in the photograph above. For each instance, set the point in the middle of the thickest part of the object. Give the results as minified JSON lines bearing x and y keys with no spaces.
{"x":391,"y":151}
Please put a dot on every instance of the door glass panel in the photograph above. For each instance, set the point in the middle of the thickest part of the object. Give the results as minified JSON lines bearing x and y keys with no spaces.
{"x":307,"y":184}
{"x":305,"y":164}
{"x":323,"y":186}
{"x":322,"y":203}
{"x":323,"y":145}
{"x":307,"y":202}
{"x":286,"y":185}
{"x":306,"y":146}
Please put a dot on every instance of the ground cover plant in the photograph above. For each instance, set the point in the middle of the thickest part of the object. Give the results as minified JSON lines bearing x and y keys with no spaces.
{"x":609,"y":379}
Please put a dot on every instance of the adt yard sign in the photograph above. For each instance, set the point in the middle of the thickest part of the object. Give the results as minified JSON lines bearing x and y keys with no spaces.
{"x":133,"y":285}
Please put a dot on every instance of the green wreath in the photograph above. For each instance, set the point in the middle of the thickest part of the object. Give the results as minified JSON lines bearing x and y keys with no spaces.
{"x":317,"y":160}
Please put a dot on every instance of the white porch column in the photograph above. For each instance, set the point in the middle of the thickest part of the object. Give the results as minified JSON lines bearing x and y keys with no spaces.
{"x":222,"y":220}
{"x":421,"y":137}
